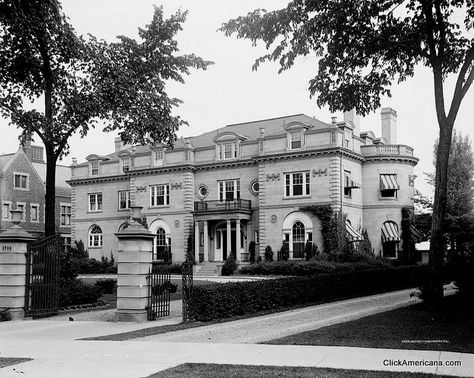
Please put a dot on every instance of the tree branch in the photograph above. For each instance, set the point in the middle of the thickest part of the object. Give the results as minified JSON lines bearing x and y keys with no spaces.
{"x":442,"y":30}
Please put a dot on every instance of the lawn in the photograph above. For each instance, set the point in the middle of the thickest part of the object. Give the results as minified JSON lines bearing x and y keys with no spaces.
{"x":245,"y":371}
{"x":450,"y":328}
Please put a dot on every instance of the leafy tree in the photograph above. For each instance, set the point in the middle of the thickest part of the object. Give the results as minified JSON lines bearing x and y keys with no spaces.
{"x":366,"y":46}
{"x":54,"y":83}
{"x":460,"y":201}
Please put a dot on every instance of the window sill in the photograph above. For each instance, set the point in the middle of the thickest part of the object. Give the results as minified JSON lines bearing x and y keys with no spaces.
{"x":22,"y":189}
{"x":65,"y":225}
{"x":158,"y":207}
{"x":95,"y":212}
{"x":296,"y":197}
{"x":388,"y":198}
{"x":127,"y":209}
{"x":94,"y":247}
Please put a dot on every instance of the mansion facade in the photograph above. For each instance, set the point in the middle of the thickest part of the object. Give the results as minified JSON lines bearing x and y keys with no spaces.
{"x":248,"y":182}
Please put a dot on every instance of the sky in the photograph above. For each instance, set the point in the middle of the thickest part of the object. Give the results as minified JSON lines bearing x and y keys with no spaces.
{"x":230,"y":92}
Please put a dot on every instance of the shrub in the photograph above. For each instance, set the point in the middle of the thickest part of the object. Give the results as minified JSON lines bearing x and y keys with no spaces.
{"x":310,"y":250}
{"x":93,"y":266}
{"x":107,"y":286}
{"x":76,"y":292}
{"x":190,"y":250}
{"x":5,"y":315}
{"x":171,"y":268}
{"x":306,"y":268}
{"x":241,"y":298}
{"x":284,"y":251}
{"x":229,"y":266}
{"x":259,"y":259}
{"x":268,"y":253}
{"x":252,"y":252}
{"x":168,"y":285}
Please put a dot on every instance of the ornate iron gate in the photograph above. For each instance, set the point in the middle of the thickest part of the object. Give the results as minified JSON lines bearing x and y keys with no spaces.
{"x":187,"y":290}
{"x":42,"y":277}
{"x":159,"y":285}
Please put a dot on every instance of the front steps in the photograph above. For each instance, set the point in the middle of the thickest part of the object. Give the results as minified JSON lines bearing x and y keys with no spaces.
{"x":207,"y":269}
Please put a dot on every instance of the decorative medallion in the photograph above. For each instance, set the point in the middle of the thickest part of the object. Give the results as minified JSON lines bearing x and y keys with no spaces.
{"x":176,"y":185}
{"x":176,"y":223}
{"x":273,"y":176}
{"x":273,"y":219}
{"x":320,"y":172}
{"x":141,"y":188}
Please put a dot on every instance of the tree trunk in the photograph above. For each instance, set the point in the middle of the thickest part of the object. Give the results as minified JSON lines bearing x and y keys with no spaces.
{"x":438,"y":243}
{"x":50,"y":218}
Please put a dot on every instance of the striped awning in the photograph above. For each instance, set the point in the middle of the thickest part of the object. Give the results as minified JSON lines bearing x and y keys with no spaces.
{"x":390,"y":232}
{"x":349,"y":181}
{"x":389,"y":182}
{"x":352,"y":233}
{"x":416,"y":235}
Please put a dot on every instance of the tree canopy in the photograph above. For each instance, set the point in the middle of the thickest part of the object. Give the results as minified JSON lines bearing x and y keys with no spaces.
{"x":80,"y":81}
{"x":363,"y":48}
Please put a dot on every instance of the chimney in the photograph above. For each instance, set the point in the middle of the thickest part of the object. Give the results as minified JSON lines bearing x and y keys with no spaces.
{"x":118,"y":144}
{"x":352,"y":117}
{"x":389,"y":125}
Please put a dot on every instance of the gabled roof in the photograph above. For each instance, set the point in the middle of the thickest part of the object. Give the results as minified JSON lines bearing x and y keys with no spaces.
{"x":4,"y":159}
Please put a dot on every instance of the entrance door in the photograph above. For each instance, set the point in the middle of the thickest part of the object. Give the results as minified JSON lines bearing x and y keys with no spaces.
{"x":224,"y":245}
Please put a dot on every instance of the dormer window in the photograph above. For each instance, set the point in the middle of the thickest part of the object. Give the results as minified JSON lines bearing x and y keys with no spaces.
{"x":94,"y":168}
{"x":158,"y":157}
{"x":296,"y":140}
{"x":296,"y":135}
{"x":228,"y":145}
{"x":125,"y":162}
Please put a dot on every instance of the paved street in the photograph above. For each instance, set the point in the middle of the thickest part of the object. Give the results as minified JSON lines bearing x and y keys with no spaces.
{"x":56,"y":352}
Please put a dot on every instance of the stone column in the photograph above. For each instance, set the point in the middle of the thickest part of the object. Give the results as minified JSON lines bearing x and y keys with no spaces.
{"x":13,"y":247}
{"x":237,"y":239}
{"x":134,"y":259}
{"x":229,"y":238}
{"x":206,"y":242}
{"x":196,"y":241}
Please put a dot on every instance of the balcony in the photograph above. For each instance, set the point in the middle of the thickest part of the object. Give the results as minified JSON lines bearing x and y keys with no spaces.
{"x":386,"y":149}
{"x":222,"y":206}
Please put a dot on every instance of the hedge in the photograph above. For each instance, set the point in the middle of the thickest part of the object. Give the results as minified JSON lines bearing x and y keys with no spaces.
{"x":307,"y":268}
{"x":243,"y":298}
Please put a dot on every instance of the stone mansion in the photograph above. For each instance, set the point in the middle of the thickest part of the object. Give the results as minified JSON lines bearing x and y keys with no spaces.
{"x":248,"y":182}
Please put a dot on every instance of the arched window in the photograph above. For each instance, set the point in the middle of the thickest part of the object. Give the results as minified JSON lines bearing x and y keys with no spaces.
{"x":160,"y":244}
{"x":95,"y":236}
{"x":298,"y":238}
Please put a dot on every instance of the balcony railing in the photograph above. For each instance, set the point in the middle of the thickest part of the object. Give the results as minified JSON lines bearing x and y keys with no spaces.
{"x":386,"y":149}
{"x":232,"y":205}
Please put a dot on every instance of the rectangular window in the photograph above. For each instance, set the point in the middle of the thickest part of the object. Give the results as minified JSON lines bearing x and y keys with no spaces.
{"x":347,"y":186}
{"x":229,"y":190}
{"x":20,"y":181}
{"x":159,"y":195}
{"x":296,"y":140}
{"x":21,"y":206}
{"x":34,"y":212}
{"x":6,"y":207}
{"x":388,"y":185}
{"x":228,"y":151}
{"x":65,"y":214}
{"x":125,"y":164}
{"x":94,"y":166}
{"x":297,"y":184}
{"x":256,"y":237}
{"x":95,"y":202}
{"x":124,"y":199}
{"x":66,"y":243}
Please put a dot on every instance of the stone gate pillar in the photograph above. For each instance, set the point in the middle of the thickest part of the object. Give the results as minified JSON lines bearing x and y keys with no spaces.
{"x":134,"y":262}
{"x":13,"y":247}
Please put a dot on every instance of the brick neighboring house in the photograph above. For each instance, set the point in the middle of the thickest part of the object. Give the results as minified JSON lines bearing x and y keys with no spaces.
{"x":22,"y":186}
{"x":248,"y":182}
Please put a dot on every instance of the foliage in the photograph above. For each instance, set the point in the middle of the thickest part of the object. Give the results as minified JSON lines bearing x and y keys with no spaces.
{"x":190,"y":250}
{"x":310,"y":250}
{"x":242,"y":298}
{"x":408,"y":244}
{"x":284,"y":253}
{"x":80,"y":80}
{"x":252,"y":252}
{"x":160,"y":288}
{"x":307,"y":268}
{"x":365,"y":246}
{"x":268,"y":253}
{"x":5,"y":315}
{"x":171,"y":268}
{"x":362,"y":53}
{"x":93,"y":266}
{"x":325,"y":215}
{"x":229,"y":266}
{"x":76,"y":292}
{"x":422,"y":222}
{"x":107,"y":286}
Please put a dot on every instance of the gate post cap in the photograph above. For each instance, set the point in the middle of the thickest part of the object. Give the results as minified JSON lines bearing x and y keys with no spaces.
{"x":16,"y":234}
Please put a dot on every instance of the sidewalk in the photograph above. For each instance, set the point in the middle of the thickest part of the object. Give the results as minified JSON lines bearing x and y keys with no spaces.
{"x":56,"y":353}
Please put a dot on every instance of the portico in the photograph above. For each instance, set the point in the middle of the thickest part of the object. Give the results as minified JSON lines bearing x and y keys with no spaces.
{"x":221,"y":230}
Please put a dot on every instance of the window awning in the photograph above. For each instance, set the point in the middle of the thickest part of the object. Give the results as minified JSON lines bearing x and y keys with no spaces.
{"x":352,"y":233}
{"x":389,"y":182}
{"x":349,"y":181}
{"x":390,"y":232}
{"x":416,"y":235}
